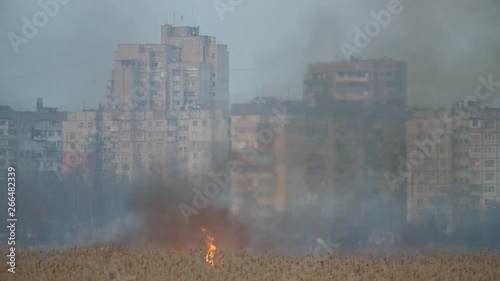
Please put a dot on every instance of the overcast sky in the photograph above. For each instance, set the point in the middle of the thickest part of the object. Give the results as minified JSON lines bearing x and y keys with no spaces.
{"x":448,"y":44}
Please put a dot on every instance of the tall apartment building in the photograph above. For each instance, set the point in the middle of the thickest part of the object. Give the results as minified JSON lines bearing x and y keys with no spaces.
{"x":32,"y":141}
{"x":460,"y":175}
{"x":185,"y":69}
{"x":382,"y":80}
{"x":430,"y":167}
{"x":270,"y":154}
{"x":351,"y":146}
{"x":80,"y":143}
{"x":130,"y":143}
{"x":356,"y":126}
{"x":8,"y":144}
{"x":168,"y":102}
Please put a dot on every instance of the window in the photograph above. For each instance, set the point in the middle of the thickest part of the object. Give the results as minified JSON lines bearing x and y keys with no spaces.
{"x":489,"y":202}
{"x":80,"y":125}
{"x":72,"y":146}
{"x":72,"y":136}
{"x":51,"y":133}
{"x":204,"y":122}
{"x":475,"y":149}
{"x":489,"y":124}
{"x":489,"y":137}
{"x":474,"y":137}
{"x":476,"y":175}
{"x":489,"y":150}
{"x":177,"y":83}
{"x":489,"y":188}
{"x":476,"y":123}
{"x":125,"y":167}
{"x":155,"y":54}
{"x":195,"y":123}
{"x":489,"y":176}
{"x":90,"y":124}
{"x":489,"y":163}
{"x":176,"y":72}
{"x":191,"y":73}
{"x":159,"y":124}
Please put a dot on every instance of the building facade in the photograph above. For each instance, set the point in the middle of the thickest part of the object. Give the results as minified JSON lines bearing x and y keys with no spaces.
{"x":266,"y":144}
{"x":382,"y":80}
{"x":459,"y":175}
{"x":186,"y":69}
{"x":32,"y":141}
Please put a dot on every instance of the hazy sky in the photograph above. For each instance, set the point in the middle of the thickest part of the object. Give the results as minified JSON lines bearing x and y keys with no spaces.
{"x":447,"y":45}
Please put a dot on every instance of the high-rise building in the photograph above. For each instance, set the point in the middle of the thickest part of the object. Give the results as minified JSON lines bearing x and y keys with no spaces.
{"x":357,"y":112}
{"x":461,"y":173}
{"x":427,"y":169}
{"x":185,"y":69}
{"x":168,"y":103}
{"x":32,"y":141}
{"x":266,"y":143}
{"x":382,"y":80}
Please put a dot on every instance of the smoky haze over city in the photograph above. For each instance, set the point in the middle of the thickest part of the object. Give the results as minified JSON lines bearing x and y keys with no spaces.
{"x":268,"y":140}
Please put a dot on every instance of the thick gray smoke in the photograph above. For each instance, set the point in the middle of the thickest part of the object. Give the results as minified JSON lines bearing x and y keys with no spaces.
{"x":447,"y":45}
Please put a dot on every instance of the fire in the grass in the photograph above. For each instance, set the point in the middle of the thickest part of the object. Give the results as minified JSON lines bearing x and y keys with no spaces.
{"x":209,"y":241}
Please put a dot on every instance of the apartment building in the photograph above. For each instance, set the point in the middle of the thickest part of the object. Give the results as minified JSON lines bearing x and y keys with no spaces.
{"x":167,"y":102}
{"x":356,"y":123}
{"x":32,"y":141}
{"x":430,"y":167}
{"x":270,"y":154}
{"x":130,"y":143}
{"x":377,"y":80}
{"x":460,"y":175}
{"x":8,"y":144}
{"x":351,"y":146}
{"x":185,"y":69}
{"x":79,"y":132}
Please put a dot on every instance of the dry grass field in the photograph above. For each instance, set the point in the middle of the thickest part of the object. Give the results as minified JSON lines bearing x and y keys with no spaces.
{"x":128,"y":264}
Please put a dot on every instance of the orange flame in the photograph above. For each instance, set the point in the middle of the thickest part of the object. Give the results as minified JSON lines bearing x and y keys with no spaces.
{"x":209,"y":241}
